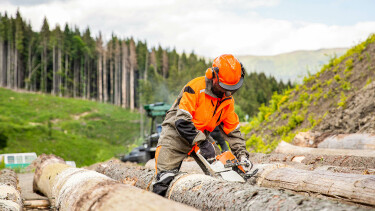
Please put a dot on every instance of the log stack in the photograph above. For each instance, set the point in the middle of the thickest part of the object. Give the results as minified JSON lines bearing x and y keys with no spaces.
{"x":10,"y":197}
{"x":71,"y":188}
{"x":207,"y":193}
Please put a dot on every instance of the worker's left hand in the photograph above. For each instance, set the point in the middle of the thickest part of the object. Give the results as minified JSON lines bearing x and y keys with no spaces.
{"x":249,"y":164}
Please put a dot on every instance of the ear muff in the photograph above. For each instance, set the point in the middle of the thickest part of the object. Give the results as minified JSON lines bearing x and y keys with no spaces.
{"x":210,"y":72}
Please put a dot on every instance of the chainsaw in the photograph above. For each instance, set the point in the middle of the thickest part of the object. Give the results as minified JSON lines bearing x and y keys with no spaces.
{"x":225,"y":166}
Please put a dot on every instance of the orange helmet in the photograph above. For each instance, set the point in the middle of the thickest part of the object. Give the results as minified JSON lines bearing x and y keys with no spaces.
{"x":229,"y":72}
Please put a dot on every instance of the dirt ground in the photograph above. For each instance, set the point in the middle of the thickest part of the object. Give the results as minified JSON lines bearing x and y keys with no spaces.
{"x":26,"y":185}
{"x":357,"y":117}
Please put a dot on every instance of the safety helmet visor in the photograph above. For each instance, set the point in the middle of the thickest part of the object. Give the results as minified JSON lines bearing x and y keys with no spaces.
{"x":231,"y":87}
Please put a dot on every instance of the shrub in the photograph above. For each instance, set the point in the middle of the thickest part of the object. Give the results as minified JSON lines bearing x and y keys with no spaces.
{"x":342,"y":102}
{"x":337,"y":77}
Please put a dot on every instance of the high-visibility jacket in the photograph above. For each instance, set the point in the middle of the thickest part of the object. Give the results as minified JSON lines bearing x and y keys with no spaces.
{"x":197,"y":111}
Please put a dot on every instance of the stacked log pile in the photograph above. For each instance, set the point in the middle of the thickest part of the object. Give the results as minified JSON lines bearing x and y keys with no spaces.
{"x":71,"y":188}
{"x":10,"y":197}
{"x":207,"y":193}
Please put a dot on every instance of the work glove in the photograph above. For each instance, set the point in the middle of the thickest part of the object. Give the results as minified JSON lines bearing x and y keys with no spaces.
{"x":207,"y":150}
{"x":248,"y":166}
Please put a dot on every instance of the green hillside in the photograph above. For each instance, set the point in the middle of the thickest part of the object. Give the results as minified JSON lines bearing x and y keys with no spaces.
{"x":308,"y":105}
{"x":291,"y":66}
{"x":79,"y":130}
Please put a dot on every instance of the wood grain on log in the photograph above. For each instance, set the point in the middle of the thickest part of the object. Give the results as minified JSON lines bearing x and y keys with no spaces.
{"x":71,"y":188}
{"x":10,"y":197}
{"x":286,"y":148}
{"x":207,"y":193}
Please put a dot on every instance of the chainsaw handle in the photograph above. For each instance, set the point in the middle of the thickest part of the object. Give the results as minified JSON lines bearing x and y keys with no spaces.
{"x":229,"y":165}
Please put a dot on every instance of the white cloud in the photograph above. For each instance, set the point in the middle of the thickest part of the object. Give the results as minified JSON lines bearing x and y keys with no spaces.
{"x":208,"y":28}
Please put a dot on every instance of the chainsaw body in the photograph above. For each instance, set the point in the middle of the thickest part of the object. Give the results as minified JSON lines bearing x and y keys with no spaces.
{"x":225,"y":166}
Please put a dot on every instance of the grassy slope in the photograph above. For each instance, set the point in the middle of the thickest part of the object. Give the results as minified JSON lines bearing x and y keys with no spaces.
{"x":294,"y":65}
{"x":304,"y":107}
{"x":79,"y":130}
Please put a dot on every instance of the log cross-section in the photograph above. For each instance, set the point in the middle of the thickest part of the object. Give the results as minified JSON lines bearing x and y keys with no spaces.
{"x":10,"y":197}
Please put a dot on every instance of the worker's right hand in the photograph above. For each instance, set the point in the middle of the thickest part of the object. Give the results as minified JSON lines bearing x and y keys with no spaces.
{"x":207,"y":150}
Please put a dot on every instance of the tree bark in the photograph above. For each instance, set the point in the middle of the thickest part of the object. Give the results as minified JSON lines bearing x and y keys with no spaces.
{"x":105,"y":86}
{"x":117,"y":73}
{"x":207,"y":193}
{"x":99,"y":50}
{"x":316,"y":160}
{"x":133,"y":65}
{"x":66,"y":74}
{"x":111,"y":98}
{"x":286,"y":148}
{"x":59,"y":69}
{"x":2,"y":75}
{"x":124,"y":84}
{"x":9,"y":82}
{"x":10,"y":197}
{"x":54,"y":70}
{"x":71,"y":188}
{"x":349,"y":141}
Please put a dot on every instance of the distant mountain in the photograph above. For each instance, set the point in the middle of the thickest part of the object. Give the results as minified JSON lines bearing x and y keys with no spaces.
{"x":290,"y":66}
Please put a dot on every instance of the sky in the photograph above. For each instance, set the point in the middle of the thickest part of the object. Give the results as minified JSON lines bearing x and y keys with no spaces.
{"x":212,"y":27}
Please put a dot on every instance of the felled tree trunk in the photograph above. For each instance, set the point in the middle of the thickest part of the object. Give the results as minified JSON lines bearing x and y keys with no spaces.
{"x":207,"y":193}
{"x":71,"y":188}
{"x":307,"y":159}
{"x":286,"y":148}
{"x":321,"y":181}
{"x":10,"y":197}
{"x":349,"y":141}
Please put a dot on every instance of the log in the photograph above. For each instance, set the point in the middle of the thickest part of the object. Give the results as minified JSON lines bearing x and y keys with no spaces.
{"x":207,"y":193}
{"x":328,"y":180}
{"x":316,"y":160}
{"x":70,"y":188}
{"x":10,"y":197}
{"x":349,"y":141}
{"x":44,"y":204}
{"x":286,"y":148}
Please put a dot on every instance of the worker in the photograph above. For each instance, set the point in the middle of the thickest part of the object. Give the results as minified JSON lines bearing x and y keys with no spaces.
{"x":203,"y":104}
{"x":216,"y":135}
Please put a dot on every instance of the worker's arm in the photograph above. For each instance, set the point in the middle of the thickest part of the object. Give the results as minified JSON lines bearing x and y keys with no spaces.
{"x":187,"y":104}
{"x":229,"y":128}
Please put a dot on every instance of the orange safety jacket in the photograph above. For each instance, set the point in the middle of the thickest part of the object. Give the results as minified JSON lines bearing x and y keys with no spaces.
{"x":196,"y":112}
{"x":207,"y":110}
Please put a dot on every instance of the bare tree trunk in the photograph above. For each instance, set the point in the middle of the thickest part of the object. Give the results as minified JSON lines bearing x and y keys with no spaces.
{"x":88,"y":92}
{"x":207,"y":193}
{"x":75,"y":80}
{"x":29,"y":68}
{"x":66,"y":77}
{"x":116,"y":73}
{"x":15,"y":70}
{"x":2,"y":69}
{"x":9,"y":82}
{"x":111,"y":75}
{"x":105,"y":86}
{"x":100,"y":76}
{"x":59,"y":69}
{"x":71,"y":188}
{"x":349,"y":141}
{"x":286,"y":148}
{"x":54,"y":70}
{"x":125,"y":59}
{"x":133,"y":66}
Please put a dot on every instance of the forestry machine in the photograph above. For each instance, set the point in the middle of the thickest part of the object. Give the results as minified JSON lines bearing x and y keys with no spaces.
{"x":146,"y":151}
